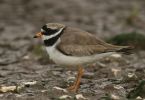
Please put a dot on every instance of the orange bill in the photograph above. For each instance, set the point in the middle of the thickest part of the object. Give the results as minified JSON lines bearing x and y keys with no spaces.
{"x":38,"y":35}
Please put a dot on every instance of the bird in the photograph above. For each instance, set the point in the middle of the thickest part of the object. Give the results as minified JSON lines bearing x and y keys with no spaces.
{"x":70,"y":46}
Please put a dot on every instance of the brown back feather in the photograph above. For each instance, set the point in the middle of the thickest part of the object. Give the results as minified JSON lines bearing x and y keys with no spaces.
{"x":76,"y":42}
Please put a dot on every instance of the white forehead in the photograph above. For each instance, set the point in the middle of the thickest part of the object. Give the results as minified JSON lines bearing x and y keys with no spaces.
{"x":42,"y":30}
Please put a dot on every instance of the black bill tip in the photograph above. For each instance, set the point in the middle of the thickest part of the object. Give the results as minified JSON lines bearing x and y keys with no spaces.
{"x":35,"y":36}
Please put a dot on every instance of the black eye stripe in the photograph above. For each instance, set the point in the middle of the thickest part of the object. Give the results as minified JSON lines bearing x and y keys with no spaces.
{"x":48,"y":31}
{"x":52,"y":40}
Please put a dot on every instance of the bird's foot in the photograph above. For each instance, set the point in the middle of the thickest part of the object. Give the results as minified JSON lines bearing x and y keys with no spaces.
{"x":76,"y":84}
{"x":73,"y":88}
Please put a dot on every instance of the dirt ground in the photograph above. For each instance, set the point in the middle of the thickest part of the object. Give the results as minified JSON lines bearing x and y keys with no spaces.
{"x":113,"y":78}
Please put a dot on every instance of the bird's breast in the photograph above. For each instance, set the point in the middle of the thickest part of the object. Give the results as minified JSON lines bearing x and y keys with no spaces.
{"x":62,"y":59}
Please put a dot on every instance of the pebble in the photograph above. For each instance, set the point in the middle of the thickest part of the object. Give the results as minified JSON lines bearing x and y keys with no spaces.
{"x":115,"y":97}
{"x":139,"y":98}
{"x":30,"y":83}
{"x":56,"y":73}
{"x":131,"y":75}
{"x":80,"y":97}
{"x":116,"y":72}
{"x":27,"y":57}
{"x":64,"y":97}
{"x":60,"y":89}
{"x":118,"y":87}
{"x":1,"y":95}
{"x":18,"y":95}
{"x":101,"y":64}
{"x":116,"y":55}
{"x":70,"y":79}
{"x":88,"y":75}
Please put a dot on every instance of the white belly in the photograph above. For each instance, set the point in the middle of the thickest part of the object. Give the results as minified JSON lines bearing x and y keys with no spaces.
{"x":61,"y":59}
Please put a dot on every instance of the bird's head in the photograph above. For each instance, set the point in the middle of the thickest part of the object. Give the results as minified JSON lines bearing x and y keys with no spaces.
{"x":49,"y":31}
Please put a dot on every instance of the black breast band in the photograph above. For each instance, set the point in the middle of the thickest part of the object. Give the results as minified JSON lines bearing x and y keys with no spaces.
{"x":52,"y":41}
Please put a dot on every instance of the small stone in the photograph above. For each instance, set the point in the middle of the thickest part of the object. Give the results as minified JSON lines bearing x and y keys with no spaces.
{"x":101,"y":64}
{"x":18,"y":95}
{"x":116,"y":72}
{"x":64,"y":97}
{"x":26,"y":57}
{"x":29,"y":83}
{"x":139,"y":98}
{"x":131,"y":75}
{"x":116,"y":55}
{"x":56,"y":73}
{"x":115,"y":97}
{"x":4,"y":89}
{"x":60,"y":89}
{"x":44,"y":91}
{"x":80,"y":97}
{"x":70,"y":79}
{"x":84,"y":86}
{"x":1,"y":95}
{"x":88,"y":75}
{"x":118,"y":87}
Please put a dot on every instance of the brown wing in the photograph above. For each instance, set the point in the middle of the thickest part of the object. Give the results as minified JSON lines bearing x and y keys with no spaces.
{"x":76,"y":42}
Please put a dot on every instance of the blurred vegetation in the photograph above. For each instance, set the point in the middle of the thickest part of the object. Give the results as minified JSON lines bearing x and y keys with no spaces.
{"x":138,"y":91}
{"x":41,"y":54}
{"x":37,"y":50}
{"x":134,"y":39}
{"x":133,"y":16}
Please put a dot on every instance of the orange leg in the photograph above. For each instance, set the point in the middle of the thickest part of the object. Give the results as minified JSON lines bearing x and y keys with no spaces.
{"x":76,"y":84}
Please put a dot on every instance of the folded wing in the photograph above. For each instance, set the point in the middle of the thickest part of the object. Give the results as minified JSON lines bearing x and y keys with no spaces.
{"x":75,"y":42}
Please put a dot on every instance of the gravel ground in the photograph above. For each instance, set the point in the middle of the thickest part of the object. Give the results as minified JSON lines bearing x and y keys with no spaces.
{"x":113,"y":78}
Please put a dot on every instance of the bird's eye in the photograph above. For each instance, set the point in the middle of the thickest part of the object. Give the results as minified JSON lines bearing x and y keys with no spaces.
{"x":48,"y":31}
{"x":51,"y":31}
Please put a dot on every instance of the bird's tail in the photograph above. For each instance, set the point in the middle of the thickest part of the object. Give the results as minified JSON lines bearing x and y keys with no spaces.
{"x":121,"y":49}
{"x":125,"y":49}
